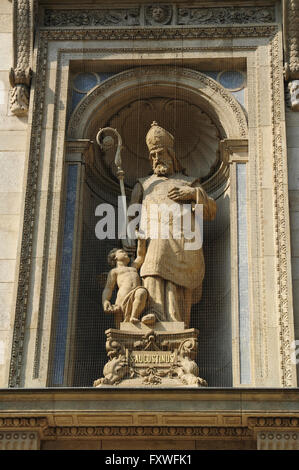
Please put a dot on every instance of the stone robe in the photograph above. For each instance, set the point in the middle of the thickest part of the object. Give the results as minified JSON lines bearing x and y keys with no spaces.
{"x":170,"y":272}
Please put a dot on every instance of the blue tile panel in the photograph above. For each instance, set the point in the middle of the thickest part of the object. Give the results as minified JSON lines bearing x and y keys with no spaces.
{"x":84,"y":82}
{"x":244,"y":316}
{"x":231,"y":80}
{"x":65,"y":277}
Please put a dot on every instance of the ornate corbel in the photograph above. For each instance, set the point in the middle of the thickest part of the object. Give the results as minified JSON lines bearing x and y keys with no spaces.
{"x":20,"y":74}
{"x":291,"y":49}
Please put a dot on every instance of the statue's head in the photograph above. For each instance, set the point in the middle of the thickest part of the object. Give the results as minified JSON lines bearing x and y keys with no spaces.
{"x":160,"y":144}
{"x":117,"y":254}
{"x":158,"y":13}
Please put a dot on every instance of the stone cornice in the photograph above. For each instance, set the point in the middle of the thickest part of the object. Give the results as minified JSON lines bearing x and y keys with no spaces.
{"x":132,"y":15}
{"x":231,"y":397}
{"x":172,"y":14}
{"x":120,"y":413}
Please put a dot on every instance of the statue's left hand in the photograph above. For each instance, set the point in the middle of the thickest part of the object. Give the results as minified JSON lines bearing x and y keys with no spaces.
{"x":182,"y":193}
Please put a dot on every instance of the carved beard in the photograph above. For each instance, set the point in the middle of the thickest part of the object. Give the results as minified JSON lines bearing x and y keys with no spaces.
{"x":161,"y":169}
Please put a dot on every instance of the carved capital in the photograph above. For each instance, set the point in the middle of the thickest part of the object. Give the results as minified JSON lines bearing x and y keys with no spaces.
{"x":21,"y":73}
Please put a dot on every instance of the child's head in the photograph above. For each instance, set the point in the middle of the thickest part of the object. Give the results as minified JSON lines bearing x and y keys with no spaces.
{"x":117,"y":254}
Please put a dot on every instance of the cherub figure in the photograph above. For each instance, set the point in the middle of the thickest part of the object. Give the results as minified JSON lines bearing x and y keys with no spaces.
{"x":131,"y":297}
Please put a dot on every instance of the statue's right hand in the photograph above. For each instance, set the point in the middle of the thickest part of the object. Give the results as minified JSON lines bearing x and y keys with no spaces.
{"x":107,"y":306}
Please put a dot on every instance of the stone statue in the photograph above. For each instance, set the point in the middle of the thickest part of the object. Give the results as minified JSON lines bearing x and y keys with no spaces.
{"x":131,"y":296}
{"x":294,"y":94}
{"x":170,"y":273}
{"x":157,"y":348}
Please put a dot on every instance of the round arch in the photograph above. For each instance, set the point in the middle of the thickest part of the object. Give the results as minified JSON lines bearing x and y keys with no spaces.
{"x":119,"y":90}
{"x":214,"y":113}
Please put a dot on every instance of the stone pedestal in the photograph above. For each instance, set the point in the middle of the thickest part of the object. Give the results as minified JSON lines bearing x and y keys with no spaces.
{"x":140,"y":356}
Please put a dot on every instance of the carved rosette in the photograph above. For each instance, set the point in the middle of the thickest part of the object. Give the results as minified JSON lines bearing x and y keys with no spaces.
{"x":151,"y":358}
{"x":20,"y":74}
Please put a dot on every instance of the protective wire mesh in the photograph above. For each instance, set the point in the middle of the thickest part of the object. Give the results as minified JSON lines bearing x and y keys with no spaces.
{"x":84,"y":353}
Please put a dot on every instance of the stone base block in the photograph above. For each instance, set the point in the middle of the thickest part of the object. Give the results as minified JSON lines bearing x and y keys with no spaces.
{"x":143,"y":357}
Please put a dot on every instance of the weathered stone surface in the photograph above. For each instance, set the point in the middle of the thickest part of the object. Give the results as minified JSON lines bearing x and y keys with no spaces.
{"x":141,"y":357}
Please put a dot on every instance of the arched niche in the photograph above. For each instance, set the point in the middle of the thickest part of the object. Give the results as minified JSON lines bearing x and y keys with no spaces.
{"x":118,"y":90}
{"x":112,"y":102}
{"x":211,"y":114}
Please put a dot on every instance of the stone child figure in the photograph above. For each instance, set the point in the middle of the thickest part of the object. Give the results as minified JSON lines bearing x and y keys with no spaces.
{"x":131,"y":296}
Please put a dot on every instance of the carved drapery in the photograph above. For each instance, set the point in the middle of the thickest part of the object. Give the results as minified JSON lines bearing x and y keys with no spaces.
{"x":20,"y":74}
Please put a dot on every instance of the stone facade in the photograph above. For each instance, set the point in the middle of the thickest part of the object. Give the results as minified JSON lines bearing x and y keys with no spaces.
{"x":184,"y":52}
{"x":140,"y":419}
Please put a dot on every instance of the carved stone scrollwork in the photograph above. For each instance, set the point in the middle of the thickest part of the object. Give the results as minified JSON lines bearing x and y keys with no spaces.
{"x":111,"y":17}
{"x":114,"y":371}
{"x":146,"y":357}
{"x":158,"y":15}
{"x":19,"y":96}
{"x":235,"y":15}
{"x":187,"y":369}
{"x":20,"y":74}
{"x":117,"y":367}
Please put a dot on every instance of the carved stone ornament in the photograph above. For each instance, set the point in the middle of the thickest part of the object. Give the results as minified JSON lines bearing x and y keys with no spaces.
{"x":158,"y":14}
{"x":111,"y":17}
{"x":140,"y":356}
{"x":25,"y":432}
{"x":294,"y":94}
{"x":21,"y":73}
{"x":277,"y":440}
{"x":19,"y":96}
{"x":234,"y":15}
{"x":291,"y":38}
{"x":19,"y":440}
